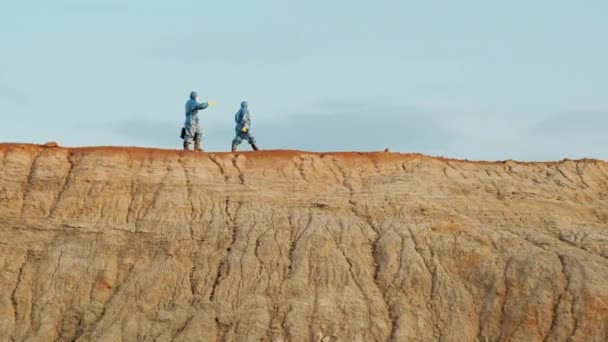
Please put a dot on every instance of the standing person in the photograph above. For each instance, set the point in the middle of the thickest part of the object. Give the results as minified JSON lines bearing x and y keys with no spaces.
{"x":192,"y":131}
{"x":243,"y":127}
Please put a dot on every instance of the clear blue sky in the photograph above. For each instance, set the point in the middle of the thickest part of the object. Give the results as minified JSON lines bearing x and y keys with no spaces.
{"x":468,"y":79}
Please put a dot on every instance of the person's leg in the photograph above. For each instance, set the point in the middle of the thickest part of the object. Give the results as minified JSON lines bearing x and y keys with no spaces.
{"x":197,"y":142}
{"x":188,"y":137}
{"x":236,"y":142}
{"x":198,"y":135}
{"x":251,"y":140}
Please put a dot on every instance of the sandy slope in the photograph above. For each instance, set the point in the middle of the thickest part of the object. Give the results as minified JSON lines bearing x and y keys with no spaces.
{"x":111,"y":244}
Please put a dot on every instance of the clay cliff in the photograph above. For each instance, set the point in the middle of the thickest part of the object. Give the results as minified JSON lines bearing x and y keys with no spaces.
{"x":126,"y":244}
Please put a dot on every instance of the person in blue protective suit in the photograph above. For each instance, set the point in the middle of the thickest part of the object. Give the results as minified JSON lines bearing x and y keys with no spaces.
{"x":243,"y":127}
{"x":191,"y":133}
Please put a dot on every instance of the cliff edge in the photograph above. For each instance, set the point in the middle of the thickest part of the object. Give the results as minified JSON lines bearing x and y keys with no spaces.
{"x":128,"y":244}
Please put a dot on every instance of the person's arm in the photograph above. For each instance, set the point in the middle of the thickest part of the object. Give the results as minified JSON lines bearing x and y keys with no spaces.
{"x":241,"y":120}
{"x":239,"y":117}
{"x":203,"y":105}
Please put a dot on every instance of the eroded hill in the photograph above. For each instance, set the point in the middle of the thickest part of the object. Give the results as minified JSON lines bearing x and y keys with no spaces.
{"x":116,"y":244}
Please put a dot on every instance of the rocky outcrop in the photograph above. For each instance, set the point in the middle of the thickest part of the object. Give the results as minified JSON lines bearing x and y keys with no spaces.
{"x":124,"y":244}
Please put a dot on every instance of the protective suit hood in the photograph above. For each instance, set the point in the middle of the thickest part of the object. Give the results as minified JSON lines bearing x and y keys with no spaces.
{"x":193,"y":95}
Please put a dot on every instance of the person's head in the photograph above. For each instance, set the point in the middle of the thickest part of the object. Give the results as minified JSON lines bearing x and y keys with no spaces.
{"x":193,"y":95}
{"x":244,"y":104}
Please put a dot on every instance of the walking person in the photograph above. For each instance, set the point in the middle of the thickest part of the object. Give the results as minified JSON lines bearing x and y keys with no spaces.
{"x":243,"y":128}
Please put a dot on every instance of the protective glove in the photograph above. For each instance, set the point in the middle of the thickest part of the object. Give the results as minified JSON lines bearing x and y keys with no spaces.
{"x":244,"y":129}
{"x":211,"y":103}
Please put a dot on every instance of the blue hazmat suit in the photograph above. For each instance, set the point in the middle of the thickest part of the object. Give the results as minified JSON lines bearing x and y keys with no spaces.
{"x":191,"y":125}
{"x":243,"y":119}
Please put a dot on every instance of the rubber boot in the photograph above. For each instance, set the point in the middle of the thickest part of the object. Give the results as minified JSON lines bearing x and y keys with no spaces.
{"x":254,"y":146}
{"x":234,"y":147}
{"x":186,"y":146}
{"x":197,"y":144}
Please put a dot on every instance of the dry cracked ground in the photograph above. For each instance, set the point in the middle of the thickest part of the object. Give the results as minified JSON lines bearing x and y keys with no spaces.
{"x":116,"y":244}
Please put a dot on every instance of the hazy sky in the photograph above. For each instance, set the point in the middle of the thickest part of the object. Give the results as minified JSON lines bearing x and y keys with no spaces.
{"x":467,"y":79}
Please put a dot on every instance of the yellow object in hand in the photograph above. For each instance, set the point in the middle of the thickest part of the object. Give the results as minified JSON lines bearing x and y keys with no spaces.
{"x":244,"y":129}
{"x":211,"y":103}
